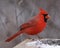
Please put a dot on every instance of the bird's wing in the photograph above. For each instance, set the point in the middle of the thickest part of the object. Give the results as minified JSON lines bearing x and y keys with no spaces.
{"x":28,"y":24}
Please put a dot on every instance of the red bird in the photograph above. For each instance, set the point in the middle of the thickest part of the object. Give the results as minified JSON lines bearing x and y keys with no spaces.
{"x":34,"y":26}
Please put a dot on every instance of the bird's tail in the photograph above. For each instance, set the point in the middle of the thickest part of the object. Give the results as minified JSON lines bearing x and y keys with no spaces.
{"x":13,"y":36}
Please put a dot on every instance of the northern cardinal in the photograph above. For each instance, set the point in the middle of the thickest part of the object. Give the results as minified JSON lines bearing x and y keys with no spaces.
{"x":34,"y":26}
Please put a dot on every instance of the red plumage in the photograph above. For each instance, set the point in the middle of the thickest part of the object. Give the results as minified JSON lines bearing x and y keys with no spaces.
{"x":34,"y":26}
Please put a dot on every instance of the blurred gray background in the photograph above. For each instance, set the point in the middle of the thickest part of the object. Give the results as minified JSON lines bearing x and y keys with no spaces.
{"x":13,"y":13}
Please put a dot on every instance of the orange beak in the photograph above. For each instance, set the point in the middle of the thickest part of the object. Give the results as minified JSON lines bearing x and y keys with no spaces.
{"x":48,"y":17}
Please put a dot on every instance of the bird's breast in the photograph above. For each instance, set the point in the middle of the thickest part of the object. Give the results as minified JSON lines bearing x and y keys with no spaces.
{"x":40,"y":26}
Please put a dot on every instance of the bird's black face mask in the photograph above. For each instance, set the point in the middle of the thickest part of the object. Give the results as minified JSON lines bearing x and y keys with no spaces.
{"x":45,"y":19}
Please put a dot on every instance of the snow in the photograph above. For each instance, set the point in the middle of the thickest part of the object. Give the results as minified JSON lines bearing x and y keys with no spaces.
{"x":40,"y":44}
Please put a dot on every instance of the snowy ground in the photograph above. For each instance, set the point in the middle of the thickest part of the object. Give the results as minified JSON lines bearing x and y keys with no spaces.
{"x":47,"y":43}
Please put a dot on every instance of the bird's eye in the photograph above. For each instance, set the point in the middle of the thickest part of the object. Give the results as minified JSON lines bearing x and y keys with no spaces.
{"x":45,"y":14}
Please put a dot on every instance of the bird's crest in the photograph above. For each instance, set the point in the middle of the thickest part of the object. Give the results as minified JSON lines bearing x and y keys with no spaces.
{"x":42,"y":11}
